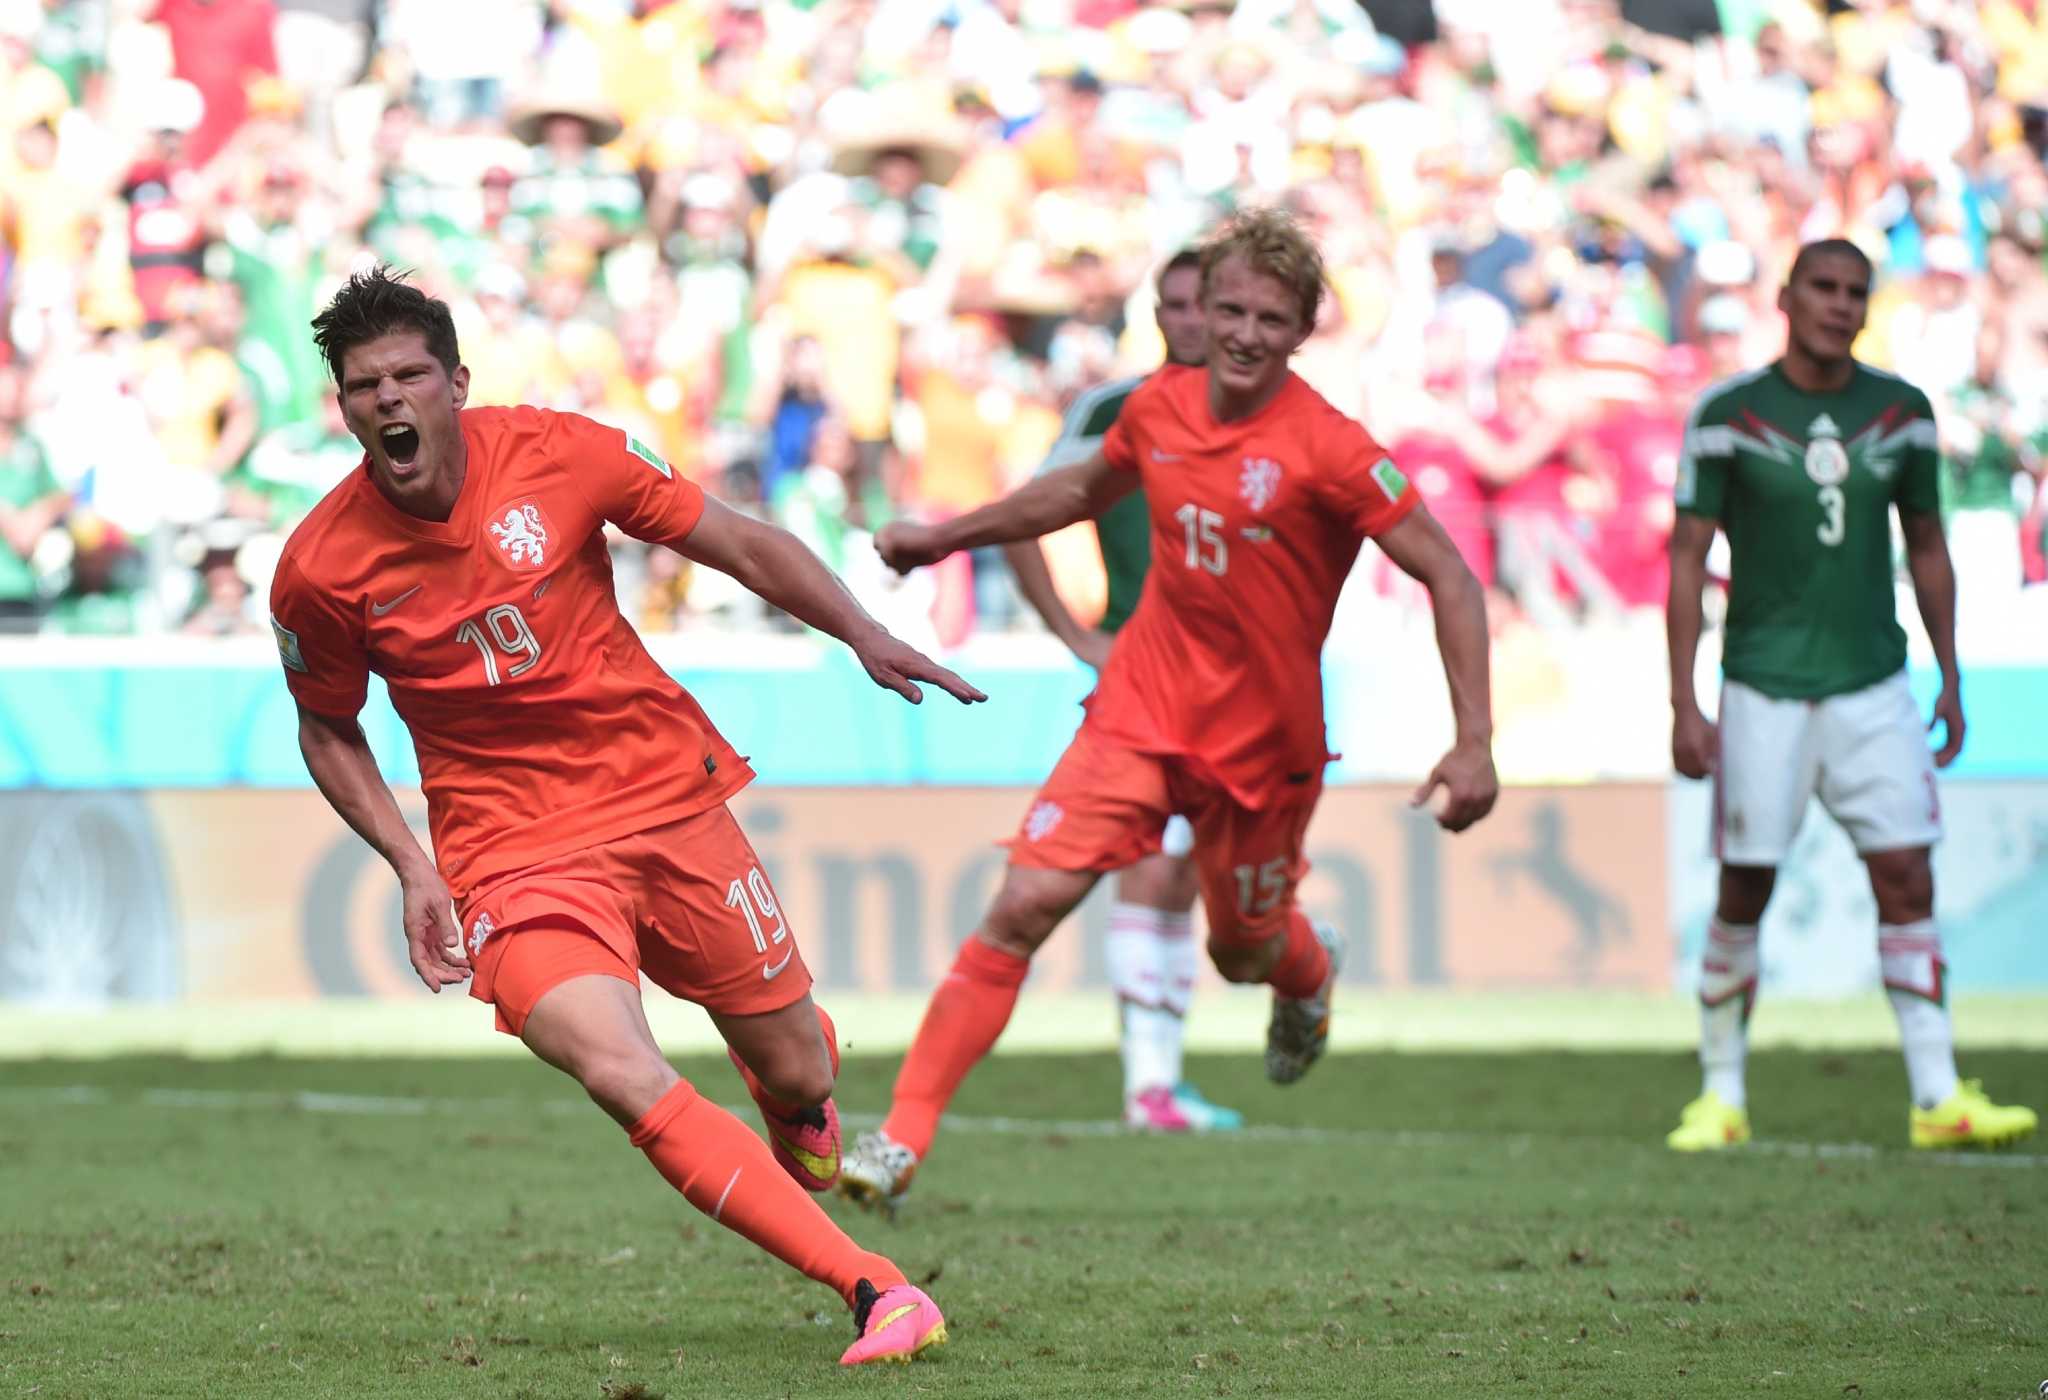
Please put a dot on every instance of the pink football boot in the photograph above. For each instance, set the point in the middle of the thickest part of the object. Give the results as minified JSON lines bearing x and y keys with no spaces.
{"x":894,"y":1324}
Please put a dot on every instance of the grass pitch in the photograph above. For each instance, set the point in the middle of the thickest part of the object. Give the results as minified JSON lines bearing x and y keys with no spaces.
{"x":1397,"y":1225}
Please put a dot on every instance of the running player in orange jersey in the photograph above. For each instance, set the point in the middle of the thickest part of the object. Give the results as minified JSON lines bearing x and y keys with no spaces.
{"x":575,"y":793}
{"x":1210,"y":704}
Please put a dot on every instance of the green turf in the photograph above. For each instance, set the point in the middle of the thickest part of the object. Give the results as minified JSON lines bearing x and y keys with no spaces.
{"x":1456,"y":1225}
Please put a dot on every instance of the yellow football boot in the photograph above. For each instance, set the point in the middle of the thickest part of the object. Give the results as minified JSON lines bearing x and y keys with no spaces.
{"x":1708,"y":1124}
{"x":1968,"y":1119}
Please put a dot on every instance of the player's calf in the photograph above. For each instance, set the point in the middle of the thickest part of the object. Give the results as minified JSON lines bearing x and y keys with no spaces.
{"x":1303,"y":980}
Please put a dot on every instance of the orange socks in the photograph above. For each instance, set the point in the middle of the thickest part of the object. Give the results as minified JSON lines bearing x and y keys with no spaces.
{"x":725,"y":1170}
{"x":966,"y":1014}
{"x":1304,"y":963}
{"x":778,"y":1108}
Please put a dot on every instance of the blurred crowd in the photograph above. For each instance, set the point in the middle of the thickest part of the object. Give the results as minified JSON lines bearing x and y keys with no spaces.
{"x":841,"y":260}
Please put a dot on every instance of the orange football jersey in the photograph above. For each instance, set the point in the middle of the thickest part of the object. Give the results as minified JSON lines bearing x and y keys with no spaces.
{"x":541,"y":723}
{"x":1255,"y":524}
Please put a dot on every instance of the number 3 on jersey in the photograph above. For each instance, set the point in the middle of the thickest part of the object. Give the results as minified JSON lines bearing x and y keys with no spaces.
{"x":505,"y":626}
{"x":1834,"y":525}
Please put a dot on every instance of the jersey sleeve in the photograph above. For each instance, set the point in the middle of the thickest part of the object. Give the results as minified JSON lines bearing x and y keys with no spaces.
{"x":1087,"y":419}
{"x":1359,"y":482}
{"x":1919,"y":488}
{"x":626,"y":481}
{"x":1118,"y":447}
{"x":1704,"y":457}
{"x":325,"y":664}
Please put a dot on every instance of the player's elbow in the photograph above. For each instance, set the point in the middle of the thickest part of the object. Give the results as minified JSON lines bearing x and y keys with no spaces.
{"x":759,"y":552}
{"x":1450,"y":580}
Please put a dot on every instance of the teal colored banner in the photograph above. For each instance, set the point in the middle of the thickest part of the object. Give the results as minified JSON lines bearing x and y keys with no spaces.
{"x":818,"y":723}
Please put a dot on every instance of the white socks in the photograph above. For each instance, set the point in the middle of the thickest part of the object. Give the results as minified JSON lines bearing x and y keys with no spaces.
{"x":1151,"y":957}
{"x":1910,"y":956}
{"x":1727,"y":992}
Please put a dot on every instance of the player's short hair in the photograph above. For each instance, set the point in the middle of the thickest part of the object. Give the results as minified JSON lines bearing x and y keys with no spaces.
{"x":1273,"y":242}
{"x":1827,"y":248}
{"x":375,"y":303}
{"x":1186,"y":259}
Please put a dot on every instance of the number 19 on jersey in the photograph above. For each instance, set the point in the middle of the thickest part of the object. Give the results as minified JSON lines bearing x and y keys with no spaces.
{"x":505,"y":626}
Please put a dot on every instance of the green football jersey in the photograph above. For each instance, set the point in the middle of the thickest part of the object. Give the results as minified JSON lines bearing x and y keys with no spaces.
{"x":1803,"y":486}
{"x":1125,"y":529}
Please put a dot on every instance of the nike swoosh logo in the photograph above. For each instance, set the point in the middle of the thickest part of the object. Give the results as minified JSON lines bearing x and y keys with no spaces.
{"x":768,"y":973}
{"x":823,"y":1168}
{"x":1159,"y":456}
{"x":379,"y":609}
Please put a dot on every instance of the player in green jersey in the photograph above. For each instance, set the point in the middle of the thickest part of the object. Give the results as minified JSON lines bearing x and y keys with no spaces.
{"x":1800,"y":463}
{"x":1151,"y":950}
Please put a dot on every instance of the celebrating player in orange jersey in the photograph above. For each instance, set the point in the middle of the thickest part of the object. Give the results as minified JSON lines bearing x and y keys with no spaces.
{"x":1210,"y":703}
{"x":576,"y":794}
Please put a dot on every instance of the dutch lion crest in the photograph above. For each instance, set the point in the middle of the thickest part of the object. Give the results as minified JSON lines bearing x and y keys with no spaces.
{"x":1259,"y":481}
{"x":522,"y":534}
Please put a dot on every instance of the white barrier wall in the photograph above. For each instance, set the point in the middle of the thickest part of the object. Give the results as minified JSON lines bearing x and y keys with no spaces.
{"x":1820,"y":934}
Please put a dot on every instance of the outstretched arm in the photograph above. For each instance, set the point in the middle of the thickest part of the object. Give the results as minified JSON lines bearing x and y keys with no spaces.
{"x":1934,"y":588}
{"x":1045,"y":503}
{"x":1425,"y":553}
{"x":1695,"y":744}
{"x":1026,"y":559}
{"x":776,"y":565}
{"x":345,"y":771}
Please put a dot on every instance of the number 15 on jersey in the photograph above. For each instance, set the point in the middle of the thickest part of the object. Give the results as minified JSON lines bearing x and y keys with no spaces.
{"x":1206,"y":547}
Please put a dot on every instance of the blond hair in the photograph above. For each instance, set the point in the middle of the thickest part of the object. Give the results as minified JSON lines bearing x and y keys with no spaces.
{"x":1273,"y":242}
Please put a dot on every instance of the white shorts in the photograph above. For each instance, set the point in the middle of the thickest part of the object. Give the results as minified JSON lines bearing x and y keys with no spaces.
{"x":1863,"y":754}
{"x":1179,"y":837}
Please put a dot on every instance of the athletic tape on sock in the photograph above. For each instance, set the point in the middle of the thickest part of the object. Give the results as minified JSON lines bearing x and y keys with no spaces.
{"x":1909,"y":958}
{"x":1728,"y":967}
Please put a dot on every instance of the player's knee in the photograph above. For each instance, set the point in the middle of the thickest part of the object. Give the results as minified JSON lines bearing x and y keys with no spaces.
{"x":625,"y":1083}
{"x":800,"y":1079}
{"x":1903,"y":884}
{"x":1021,"y":919}
{"x":1745,"y":892}
{"x":1240,"y":962}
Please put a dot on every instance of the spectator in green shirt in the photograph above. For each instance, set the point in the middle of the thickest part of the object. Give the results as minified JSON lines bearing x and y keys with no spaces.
{"x":573,"y":191}
{"x":31,"y":502}
{"x":1980,"y":460}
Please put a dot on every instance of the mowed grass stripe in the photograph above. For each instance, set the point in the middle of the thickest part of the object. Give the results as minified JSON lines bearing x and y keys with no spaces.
{"x":310,"y":1101}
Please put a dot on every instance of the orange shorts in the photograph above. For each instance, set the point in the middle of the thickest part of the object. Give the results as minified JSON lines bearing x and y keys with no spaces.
{"x":686,"y":904}
{"x":1105,"y":806}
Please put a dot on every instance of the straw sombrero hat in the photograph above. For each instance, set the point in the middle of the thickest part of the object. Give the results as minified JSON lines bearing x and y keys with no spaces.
{"x":937,"y":139}
{"x":528,"y":117}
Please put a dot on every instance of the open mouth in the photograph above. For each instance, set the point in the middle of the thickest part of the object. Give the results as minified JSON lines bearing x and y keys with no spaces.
{"x":401,"y":443}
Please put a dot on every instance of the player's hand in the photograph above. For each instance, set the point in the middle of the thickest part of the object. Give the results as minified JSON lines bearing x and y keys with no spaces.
{"x":898,"y":666}
{"x":1461,"y":788}
{"x":1695,"y":744}
{"x":905,"y":545}
{"x":1948,"y":712}
{"x":433,"y":940}
{"x":1092,"y":647}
